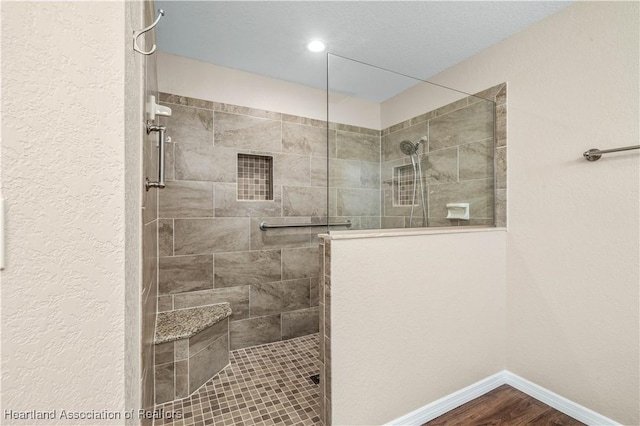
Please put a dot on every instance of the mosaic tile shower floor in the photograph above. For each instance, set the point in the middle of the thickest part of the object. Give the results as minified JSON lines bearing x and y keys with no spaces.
{"x":263,"y":385}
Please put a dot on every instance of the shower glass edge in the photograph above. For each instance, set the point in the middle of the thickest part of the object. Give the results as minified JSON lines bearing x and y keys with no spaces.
{"x":406,"y":153}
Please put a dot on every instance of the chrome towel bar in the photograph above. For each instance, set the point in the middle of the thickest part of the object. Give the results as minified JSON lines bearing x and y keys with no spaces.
{"x":161,"y":136}
{"x":594,"y":153}
{"x":264,"y":225}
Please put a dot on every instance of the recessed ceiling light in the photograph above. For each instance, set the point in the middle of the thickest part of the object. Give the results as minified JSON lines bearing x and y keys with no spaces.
{"x":315,"y":46}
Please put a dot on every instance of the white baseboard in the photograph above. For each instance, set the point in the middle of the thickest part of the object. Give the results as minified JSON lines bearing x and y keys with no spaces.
{"x":558,"y":402}
{"x":456,"y":399}
{"x":451,"y":401}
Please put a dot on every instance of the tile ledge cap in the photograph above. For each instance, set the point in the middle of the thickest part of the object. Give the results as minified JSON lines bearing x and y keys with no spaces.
{"x":402,"y":232}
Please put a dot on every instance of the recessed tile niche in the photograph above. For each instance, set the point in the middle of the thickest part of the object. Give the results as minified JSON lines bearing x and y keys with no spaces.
{"x":255,"y":177}
{"x":403,"y":185}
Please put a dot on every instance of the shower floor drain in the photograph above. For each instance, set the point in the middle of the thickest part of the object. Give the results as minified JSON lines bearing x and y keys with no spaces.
{"x":315,"y":378}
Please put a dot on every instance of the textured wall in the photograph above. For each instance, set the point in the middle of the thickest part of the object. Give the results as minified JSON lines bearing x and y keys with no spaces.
{"x":412,"y":319}
{"x":215,"y":83}
{"x":573,"y":85}
{"x":63,"y":171}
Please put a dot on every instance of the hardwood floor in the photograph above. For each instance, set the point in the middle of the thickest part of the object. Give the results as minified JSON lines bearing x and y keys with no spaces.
{"x":504,"y":406}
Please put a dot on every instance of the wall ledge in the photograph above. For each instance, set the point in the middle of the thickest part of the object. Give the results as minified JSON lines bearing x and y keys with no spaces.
{"x":458,"y":398}
{"x":406,"y":232}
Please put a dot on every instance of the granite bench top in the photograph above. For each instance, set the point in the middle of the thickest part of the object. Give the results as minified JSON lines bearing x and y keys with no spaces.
{"x":185,"y":323}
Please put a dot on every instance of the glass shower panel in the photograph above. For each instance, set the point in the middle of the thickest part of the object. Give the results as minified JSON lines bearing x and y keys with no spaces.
{"x":405,"y":153}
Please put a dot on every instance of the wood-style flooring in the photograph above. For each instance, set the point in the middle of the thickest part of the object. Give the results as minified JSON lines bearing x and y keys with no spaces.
{"x":504,"y":406}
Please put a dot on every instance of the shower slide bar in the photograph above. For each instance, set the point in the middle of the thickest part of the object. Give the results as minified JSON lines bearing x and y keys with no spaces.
{"x":161,"y":139}
{"x":264,"y":225}
{"x":594,"y":153}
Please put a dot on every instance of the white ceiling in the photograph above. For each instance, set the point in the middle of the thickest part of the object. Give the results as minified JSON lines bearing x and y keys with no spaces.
{"x":416,"y":38}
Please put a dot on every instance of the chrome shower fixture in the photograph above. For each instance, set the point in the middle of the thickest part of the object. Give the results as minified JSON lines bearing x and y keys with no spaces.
{"x":409,"y":148}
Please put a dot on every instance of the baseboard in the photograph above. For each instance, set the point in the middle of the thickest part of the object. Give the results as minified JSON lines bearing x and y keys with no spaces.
{"x":456,"y":399}
{"x":451,"y":401}
{"x":558,"y":402}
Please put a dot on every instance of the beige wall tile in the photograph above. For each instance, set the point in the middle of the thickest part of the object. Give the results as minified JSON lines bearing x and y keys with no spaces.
{"x":185,"y":273}
{"x":246,"y":268}
{"x":254,"y":331}
{"x":200,"y":236}
{"x":246,"y":132}
{"x":299,"y":323}
{"x":299,"y":263}
{"x":186,"y":199}
{"x":278,"y":297}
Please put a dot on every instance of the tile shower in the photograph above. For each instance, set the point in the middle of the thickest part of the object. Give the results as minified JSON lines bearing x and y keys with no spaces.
{"x":230,"y":168}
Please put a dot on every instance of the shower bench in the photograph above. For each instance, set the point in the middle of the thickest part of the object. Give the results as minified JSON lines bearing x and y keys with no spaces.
{"x":191,"y":347}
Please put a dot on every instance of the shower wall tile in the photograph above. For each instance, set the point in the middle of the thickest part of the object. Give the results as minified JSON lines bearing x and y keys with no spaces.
{"x":392,"y":210}
{"x":299,"y":323}
{"x":200,"y":236}
{"x":185,"y":273}
{"x":289,"y":169}
{"x":203,"y":338}
{"x":169,"y":161}
{"x":369,"y":175}
{"x":464,"y":125}
{"x":478,"y":193}
{"x":186,"y":199}
{"x":281,"y":237}
{"x":165,"y":237}
{"x":182,"y":379}
{"x":358,"y":202}
{"x":354,"y":129}
{"x":387,"y":171}
{"x":168,"y":98}
{"x":442,"y":222}
{"x":501,"y":168}
{"x":476,"y":160}
{"x":304,"y":201}
{"x":304,"y":140}
{"x":242,"y":110}
{"x":237,"y":297}
{"x":254,"y":331}
{"x":344,"y":173}
{"x":313,"y":292}
{"x":165,"y":303}
{"x":440,"y":166}
{"x":228,"y":205}
{"x":205,"y":363}
{"x":149,"y":254}
{"x":453,"y":106}
{"x":358,"y":146}
{"x":189,"y":125}
{"x":501,"y":207}
{"x":204,"y":162}
{"x":164,"y":382}
{"x":390,"y":222}
{"x":164,"y":353}
{"x":319,"y":171}
{"x":247,"y":268}
{"x":391,"y":142}
{"x":246,"y":132}
{"x":299,"y":263}
{"x":370,"y":222}
{"x":295,"y":119}
{"x":501,"y":125}
{"x":277,"y":297}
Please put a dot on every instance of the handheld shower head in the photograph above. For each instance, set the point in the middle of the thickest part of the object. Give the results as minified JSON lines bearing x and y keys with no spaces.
{"x":408,"y":147}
